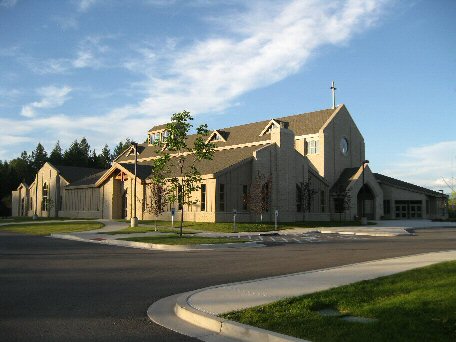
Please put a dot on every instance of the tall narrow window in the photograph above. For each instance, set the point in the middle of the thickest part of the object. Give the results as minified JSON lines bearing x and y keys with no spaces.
{"x":245,"y":196}
{"x":313,"y":147}
{"x":222,"y":197}
{"x":322,"y":201}
{"x":203,"y":197}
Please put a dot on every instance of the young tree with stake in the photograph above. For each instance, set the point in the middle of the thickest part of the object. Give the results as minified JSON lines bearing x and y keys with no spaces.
{"x":176,"y":153}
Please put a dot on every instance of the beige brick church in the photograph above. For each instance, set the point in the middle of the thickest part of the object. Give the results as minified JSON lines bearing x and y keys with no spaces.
{"x":323,"y":148}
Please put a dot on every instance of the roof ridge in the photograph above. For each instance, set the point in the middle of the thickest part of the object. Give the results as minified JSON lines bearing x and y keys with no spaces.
{"x":276,"y":118}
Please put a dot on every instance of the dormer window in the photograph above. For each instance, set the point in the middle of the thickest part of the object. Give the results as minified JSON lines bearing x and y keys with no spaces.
{"x":216,"y":136}
{"x":272,"y":125}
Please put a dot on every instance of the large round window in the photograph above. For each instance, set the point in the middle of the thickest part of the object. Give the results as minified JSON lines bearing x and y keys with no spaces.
{"x":344,"y":146}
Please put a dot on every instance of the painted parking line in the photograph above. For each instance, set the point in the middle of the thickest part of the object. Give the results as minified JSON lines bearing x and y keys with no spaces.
{"x":284,"y":239}
{"x":298,"y":241}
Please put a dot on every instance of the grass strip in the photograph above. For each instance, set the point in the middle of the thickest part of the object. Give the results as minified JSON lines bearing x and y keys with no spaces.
{"x":227,"y":227}
{"x":184,"y":240}
{"x":417,"y":305}
{"x":51,"y":227}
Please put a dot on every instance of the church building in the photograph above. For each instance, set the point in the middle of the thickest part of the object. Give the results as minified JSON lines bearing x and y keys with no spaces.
{"x":314,"y":164}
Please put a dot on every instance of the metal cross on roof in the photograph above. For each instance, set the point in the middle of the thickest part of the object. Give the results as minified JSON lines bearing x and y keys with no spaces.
{"x":333,"y":89}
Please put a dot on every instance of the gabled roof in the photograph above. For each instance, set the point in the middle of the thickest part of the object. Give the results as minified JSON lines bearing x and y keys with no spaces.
{"x":275,"y":123}
{"x":300,"y":124}
{"x":143,"y":171}
{"x":382,"y":179}
{"x":345,"y":178}
{"x":23,"y":184}
{"x":221,"y":161}
{"x":157,"y":128}
{"x":74,"y":173}
{"x":88,"y":181}
{"x":217,"y":133}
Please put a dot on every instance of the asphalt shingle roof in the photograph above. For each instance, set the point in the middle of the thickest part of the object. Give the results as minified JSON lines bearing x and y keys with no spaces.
{"x":75,"y":173}
{"x":404,"y":185}
{"x":300,"y":124}
{"x":89,"y":180}
{"x":221,"y":161}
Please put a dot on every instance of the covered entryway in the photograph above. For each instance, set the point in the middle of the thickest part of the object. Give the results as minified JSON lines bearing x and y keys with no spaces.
{"x":366,"y":202}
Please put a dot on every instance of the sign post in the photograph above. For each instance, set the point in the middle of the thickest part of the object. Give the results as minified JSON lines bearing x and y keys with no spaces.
{"x":234,"y":220}
{"x":173,"y":211}
{"x":275,"y":218}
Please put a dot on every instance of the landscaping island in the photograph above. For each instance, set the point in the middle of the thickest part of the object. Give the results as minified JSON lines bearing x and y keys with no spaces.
{"x":417,"y":305}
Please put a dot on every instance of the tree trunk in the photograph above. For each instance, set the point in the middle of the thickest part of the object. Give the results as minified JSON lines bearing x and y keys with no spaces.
{"x":182,"y":220}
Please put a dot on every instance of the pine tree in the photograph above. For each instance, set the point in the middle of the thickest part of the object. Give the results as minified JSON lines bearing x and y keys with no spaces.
{"x":93,"y":160}
{"x":105,"y":157}
{"x":85,"y":150}
{"x":56,"y":157}
{"x":73,"y":156}
{"x":39,"y":157}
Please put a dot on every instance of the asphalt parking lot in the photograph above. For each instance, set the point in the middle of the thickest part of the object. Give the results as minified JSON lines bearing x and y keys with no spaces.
{"x":54,"y":290}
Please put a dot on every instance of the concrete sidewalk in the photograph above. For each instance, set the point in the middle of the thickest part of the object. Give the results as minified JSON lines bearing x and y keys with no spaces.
{"x":195,"y":313}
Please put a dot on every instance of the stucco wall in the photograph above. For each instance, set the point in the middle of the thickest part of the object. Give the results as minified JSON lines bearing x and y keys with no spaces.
{"x":342,"y":125}
{"x":49,"y":176}
{"x":15,"y":203}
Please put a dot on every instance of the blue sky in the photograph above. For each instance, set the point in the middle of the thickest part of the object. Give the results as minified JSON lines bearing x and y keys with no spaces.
{"x":111,"y":69}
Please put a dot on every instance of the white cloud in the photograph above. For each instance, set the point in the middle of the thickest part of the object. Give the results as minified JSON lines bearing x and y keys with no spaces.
{"x":264,"y":44}
{"x":66,"y":22}
{"x":426,"y":165}
{"x":8,"y":3}
{"x":52,"y":97}
{"x":84,"y":5}
{"x":90,"y":53}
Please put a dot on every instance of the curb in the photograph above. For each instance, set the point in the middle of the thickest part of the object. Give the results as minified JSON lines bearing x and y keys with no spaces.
{"x":224,"y":327}
{"x":162,"y":247}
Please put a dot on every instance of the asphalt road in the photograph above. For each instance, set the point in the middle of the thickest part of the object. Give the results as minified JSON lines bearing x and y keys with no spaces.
{"x":58,"y":290}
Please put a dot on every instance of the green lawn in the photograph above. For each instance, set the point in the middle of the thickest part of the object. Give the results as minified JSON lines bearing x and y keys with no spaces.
{"x":227,"y":227}
{"x":184,"y":240}
{"x":147,"y":229}
{"x":417,"y":305}
{"x":30,"y":218}
{"x":51,"y":227}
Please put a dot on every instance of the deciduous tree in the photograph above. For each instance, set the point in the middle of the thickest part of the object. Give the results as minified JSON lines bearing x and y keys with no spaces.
{"x":177,"y":154}
{"x":259,"y":195}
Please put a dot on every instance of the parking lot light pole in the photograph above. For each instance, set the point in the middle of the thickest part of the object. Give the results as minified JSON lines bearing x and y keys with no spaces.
{"x":134,"y":219}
